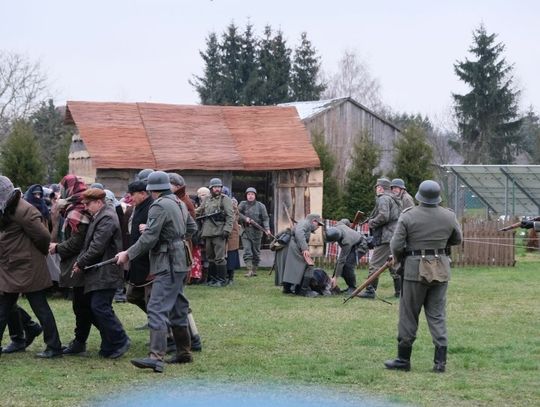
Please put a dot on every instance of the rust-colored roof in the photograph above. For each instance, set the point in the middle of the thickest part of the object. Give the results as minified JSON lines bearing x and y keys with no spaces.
{"x":182,"y":137}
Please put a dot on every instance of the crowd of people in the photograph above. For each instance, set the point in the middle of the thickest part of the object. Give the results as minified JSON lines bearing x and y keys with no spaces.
{"x":157,"y":238}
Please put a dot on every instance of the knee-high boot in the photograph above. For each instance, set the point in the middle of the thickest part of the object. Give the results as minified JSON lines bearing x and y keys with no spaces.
{"x":183,"y":345}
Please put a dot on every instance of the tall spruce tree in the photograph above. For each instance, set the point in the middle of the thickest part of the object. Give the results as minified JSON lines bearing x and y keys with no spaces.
{"x":249,"y":69}
{"x":413,"y":157}
{"x":332,"y":204}
{"x":530,"y":133}
{"x":362,"y":177}
{"x":275,"y":65}
{"x":231,"y":74}
{"x":487,"y":115}
{"x":305,"y":72}
{"x":21,"y":158}
{"x":210,"y":85}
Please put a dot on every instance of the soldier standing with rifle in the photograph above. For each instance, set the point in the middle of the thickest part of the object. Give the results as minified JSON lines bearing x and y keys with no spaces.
{"x":421,"y":239}
{"x":397,"y":186}
{"x":382,"y":223}
{"x":252,"y":212}
{"x":217,"y":213}
{"x":168,"y":223}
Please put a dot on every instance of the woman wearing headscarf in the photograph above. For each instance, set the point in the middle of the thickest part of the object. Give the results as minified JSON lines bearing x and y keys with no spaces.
{"x":74,"y":230}
{"x":35,"y":196}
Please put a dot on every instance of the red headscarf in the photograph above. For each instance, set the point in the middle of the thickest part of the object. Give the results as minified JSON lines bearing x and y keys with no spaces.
{"x":71,"y":188}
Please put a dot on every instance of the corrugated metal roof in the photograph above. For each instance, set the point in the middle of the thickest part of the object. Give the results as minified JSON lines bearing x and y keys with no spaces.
{"x":167,"y":137}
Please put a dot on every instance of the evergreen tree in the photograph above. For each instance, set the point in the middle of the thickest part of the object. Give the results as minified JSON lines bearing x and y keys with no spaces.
{"x":530,"y":133}
{"x":275,"y":66}
{"x":413,"y":157}
{"x":362,"y":177}
{"x":231,"y":69}
{"x":21,"y":159}
{"x":249,"y":69}
{"x":487,"y":114}
{"x":332,"y":204}
{"x":54,"y":139}
{"x":305,"y":72}
{"x":210,"y":86}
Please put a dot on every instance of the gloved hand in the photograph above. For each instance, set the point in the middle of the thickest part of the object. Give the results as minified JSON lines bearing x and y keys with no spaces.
{"x":225,"y":235}
{"x":527,"y":224}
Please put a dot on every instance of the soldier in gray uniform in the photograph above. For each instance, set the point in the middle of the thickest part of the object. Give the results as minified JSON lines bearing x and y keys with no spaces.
{"x":397,"y":186}
{"x":168,"y":223}
{"x":353,"y":246}
{"x":216,"y":228}
{"x":382,"y":222}
{"x":251,"y":211}
{"x":422,"y":238}
{"x":297,"y":270}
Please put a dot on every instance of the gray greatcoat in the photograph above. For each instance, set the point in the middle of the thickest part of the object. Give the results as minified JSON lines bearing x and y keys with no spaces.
{"x":350,"y":240}
{"x":424,"y":228}
{"x":295,"y":264}
{"x":102,"y":241}
{"x":24,"y":244}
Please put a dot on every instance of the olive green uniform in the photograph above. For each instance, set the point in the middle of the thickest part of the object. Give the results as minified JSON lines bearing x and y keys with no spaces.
{"x":422,"y":234}
{"x":251,"y":236}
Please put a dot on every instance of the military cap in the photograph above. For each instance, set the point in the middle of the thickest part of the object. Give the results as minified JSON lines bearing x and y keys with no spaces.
{"x":93,"y":194}
{"x":136,"y":186}
{"x":176,"y":179}
{"x":317,"y":218}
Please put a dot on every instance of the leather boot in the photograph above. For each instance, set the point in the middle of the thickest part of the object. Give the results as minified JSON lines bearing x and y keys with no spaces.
{"x":403,"y":361}
{"x":397,"y":287}
{"x":211,"y":278}
{"x":75,"y":348}
{"x":220,"y":276}
{"x":249,"y":269}
{"x":158,"y":346}
{"x":196,"y":342}
{"x":183,"y":345}
{"x":369,"y":293}
{"x":254,"y":271}
{"x":439,"y":359}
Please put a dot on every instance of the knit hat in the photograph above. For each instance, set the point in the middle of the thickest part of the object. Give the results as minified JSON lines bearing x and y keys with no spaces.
{"x":6,"y":188}
{"x":93,"y":194}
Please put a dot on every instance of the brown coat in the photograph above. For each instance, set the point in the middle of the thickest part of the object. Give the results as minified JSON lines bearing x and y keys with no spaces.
{"x":24,"y":244}
{"x":234,"y":239}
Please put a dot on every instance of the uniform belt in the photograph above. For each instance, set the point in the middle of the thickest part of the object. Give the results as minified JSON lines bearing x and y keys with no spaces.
{"x":425,"y":252}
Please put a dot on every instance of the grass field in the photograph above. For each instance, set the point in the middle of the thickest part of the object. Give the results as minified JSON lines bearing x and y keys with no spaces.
{"x":253,"y":334}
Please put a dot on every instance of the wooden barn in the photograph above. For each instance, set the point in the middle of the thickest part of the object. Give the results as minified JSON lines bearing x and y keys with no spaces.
{"x":265,"y":147}
{"x":341,"y":121}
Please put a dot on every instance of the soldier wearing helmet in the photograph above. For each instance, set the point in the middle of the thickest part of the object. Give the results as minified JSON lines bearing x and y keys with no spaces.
{"x":163,"y":240}
{"x":252,"y":211}
{"x":216,"y":228}
{"x":397,"y":186}
{"x":353,"y":246}
{"x":421,"y":239}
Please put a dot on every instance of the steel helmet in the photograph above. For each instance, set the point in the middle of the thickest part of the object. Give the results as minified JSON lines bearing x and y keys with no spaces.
{"x":333,"y":234}
{"x":215,"y":182}
{"x":158,"y":181}
{"x":251,"y":189}
{"x":143,"y":174}
{"x":429,"y":192}
{"x":398,"y":182}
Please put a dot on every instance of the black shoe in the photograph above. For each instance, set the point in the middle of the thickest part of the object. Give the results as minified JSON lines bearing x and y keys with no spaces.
{"x":369,"y":294}
{"x":398,"y":364}
{"x":75,"y":348}
{"x":120,"y":351}
{"x":149,"y":363}
{"x":32,"y":332}
{"x":15,"y":347}
{"x":49,"y":354}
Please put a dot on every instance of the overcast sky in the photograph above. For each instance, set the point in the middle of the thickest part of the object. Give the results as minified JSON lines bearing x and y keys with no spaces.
{"x":147,"y":50}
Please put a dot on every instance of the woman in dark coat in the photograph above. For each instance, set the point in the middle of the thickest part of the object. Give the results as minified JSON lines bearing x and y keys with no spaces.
{"x":24,"y":244}
{"x":76,"y":221}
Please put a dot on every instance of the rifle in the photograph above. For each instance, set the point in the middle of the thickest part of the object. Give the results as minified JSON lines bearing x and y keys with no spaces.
{"x":102,"y":263}
{"x":291,"y":220}
{"x":257,"y":226}
{"x":357,"y":218}
{"x":369,"y":280}
{"x":517,"y":224}
{"x":210,"y":215}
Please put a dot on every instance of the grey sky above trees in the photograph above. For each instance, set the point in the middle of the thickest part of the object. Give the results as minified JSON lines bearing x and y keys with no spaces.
{"x":148,"y":50}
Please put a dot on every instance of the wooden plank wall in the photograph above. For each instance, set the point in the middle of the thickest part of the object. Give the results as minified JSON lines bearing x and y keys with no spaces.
{"x":484,"y":245}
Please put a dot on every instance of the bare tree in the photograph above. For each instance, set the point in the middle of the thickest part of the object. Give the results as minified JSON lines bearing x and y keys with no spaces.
{"x":22,"y":87}
{"x":354,"y":79}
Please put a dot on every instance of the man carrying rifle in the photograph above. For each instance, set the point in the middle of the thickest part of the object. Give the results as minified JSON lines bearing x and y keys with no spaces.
{"x":168,"y":224}
{"x":103,"y":239}
{"x":253,"y":217}
{"x":216,"y":211}
{"x":421,"y":239}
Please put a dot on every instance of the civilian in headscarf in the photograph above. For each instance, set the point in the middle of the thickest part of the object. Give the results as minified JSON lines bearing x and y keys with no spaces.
{"x":35,"y":196}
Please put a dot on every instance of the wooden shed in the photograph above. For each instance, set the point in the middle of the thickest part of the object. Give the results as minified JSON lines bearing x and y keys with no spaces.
{"x":265,"y":147}
{"x":341,"y":121}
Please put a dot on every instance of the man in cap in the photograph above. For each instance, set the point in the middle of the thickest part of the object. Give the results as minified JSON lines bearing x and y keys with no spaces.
{"x":298,"y":268}
{"x":397,"y":186}
{"x":422,"y":237}
{"x":163,"y":238}
{"x":216,"y":228}
{"x":353,"y":246}
{"x":24,"y":245}
{"x":252,"y":211}
{"x":382,"y":222}
{"x":102,"y":241}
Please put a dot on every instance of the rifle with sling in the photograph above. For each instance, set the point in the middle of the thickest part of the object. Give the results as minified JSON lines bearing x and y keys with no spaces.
{"x":518,"y":224}
{"x":257,"y":226}
{"x":209,"y":215}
